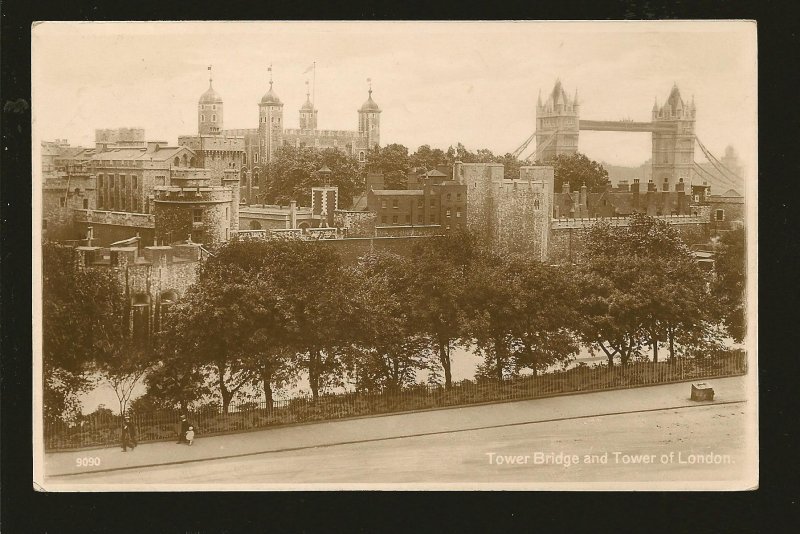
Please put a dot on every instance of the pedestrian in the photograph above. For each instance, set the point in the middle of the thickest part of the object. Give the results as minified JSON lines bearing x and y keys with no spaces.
{"x":183,"y":428}
{"x":190,"y":435}
{"x":128,"y":434}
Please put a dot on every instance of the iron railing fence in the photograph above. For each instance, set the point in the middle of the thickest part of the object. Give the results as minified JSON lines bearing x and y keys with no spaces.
{"x":103,"y":430}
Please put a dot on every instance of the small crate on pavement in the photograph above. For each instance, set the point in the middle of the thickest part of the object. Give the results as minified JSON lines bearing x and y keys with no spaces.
{"x":702,"y":391}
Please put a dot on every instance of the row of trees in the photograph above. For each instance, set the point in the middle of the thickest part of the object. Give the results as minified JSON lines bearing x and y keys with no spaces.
{"x":262,"y":314}
{"x":292,"y":172}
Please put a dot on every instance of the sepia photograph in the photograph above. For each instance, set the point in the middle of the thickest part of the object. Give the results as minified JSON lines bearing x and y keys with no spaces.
{"x":485,"y":255}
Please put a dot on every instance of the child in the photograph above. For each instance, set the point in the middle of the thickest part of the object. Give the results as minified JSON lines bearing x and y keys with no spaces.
{"x":190,"y":435}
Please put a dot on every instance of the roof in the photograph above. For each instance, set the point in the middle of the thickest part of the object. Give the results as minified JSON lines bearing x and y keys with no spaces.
{"x":162,"y":154}
{"x":307,"y":106}
{"x":270,"y":97}
{"x":435,"y":174}
{"x":397,"y":192}
{"x":210,"y":96}
{"x":370,"y":105}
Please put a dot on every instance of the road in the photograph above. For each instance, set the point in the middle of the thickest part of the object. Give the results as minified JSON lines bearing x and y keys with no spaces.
{"x":579,"y":450}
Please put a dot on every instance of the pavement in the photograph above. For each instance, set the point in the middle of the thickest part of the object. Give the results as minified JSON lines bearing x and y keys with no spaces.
{"x":451,"y":446}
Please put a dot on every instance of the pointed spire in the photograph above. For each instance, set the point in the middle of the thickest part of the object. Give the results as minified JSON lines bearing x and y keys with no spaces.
{"x":575,"y":98}
{"x":210,"y":76}
{"x":539,"y":99}
{"x":655,"y":104}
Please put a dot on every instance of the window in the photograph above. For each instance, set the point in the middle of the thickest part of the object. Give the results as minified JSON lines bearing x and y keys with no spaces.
{"x":226,"y":213}
{"x":420,"y":203}
{"x":86,"y":203}
{"x":62,"y":202}
{"x":447,"y":213}
{"x":719,"y":215}
{"x":362,"y":157}
{"x":383,"y":219}
{"x":458,"y":197}
{"x":176,"y":161}
{"x":135,"y":182}
{"x":244,"y":159}
{"x":202,"y":117}
{"x":448,"y":197}
{"x":458,"y":210}
{"x":213,"y":106}
{"x":255,"y":157}
{"x":214,"y":118}
{"x":197,"y":215}
{"x":383,"y":204}
{"x":433,"y":202}
{"x":408,"y":217}
{"x":395,"y":204}
{"x":394,"y":219}
{"x":697,"y":198}
{"x":447,"y":227}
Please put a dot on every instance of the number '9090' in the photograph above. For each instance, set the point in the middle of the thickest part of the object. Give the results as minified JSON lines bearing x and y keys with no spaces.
{"x":87,"y":461}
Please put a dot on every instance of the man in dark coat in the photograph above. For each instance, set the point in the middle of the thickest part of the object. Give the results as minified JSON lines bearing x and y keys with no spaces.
{"x":128,"y":434}
{"x":183,"y":427}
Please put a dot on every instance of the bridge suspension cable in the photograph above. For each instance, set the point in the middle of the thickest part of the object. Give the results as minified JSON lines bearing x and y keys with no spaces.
{"x":706,"y":174}
{"x":540,"y":148}
{"x":718,"y":165}
{"x":524,"y":145}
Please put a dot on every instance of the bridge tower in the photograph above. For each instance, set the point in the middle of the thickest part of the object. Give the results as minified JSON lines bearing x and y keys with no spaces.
{"x":558,"y":116}
{"x":673,"y":147}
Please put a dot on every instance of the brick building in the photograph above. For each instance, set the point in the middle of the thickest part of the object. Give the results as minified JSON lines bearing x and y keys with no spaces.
{"x":429,"y":201}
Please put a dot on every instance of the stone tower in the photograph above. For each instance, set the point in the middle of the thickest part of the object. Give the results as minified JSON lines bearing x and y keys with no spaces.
{"x":369,"y":121}
{"x":308,"y":115}
{"x":558,"y":116}
{"x":270,"y":125}
{"x":209,"y":111}
{"x":673,"y":145}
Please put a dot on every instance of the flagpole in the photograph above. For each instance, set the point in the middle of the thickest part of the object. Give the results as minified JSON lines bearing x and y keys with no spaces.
{"x":314,"y":86}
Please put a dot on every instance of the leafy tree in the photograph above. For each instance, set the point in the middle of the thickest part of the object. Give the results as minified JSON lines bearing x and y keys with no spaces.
{"x":427,"y":158}
{"x":81,"y":317}
{"x":292,"y":172}
{"x":389,"y":159}
{"x":124,"y":368}
{"x":641,"y":286}
{"x":521,"y":314}
{"x":176,"y":378}
{"x":577,"y":170}
{"x":729,"y":284}
{"x":386,"y":352}
{"x":439,"y":268}
{"x":487,"y":313}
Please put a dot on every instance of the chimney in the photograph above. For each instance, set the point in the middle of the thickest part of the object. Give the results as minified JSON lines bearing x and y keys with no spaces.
{"x":457,"y":173}
{"x":623,"y":185}
{"x":651,"y":186}
{"x":293,"y":214}
{"x":565,"y":188}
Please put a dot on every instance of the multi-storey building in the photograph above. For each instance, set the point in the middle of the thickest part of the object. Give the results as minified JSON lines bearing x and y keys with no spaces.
{"x":433,"y":202}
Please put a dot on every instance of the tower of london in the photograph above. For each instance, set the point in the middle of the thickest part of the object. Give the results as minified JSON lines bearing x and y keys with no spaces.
{"x":257,"y":146}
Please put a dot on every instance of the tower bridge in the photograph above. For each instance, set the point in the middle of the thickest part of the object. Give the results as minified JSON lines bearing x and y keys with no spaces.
{"x":672,"y":127}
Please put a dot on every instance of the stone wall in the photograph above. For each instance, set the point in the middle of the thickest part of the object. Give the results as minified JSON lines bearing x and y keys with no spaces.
{"x":355,"y":223}
{"x":353,"y":249}
{"x":202,"y":212}
{"x":510,"y":216}
{"x":567,"y":236}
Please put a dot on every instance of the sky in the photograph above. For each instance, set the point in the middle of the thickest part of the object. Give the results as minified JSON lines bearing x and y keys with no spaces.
{"x":436,"y":83}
